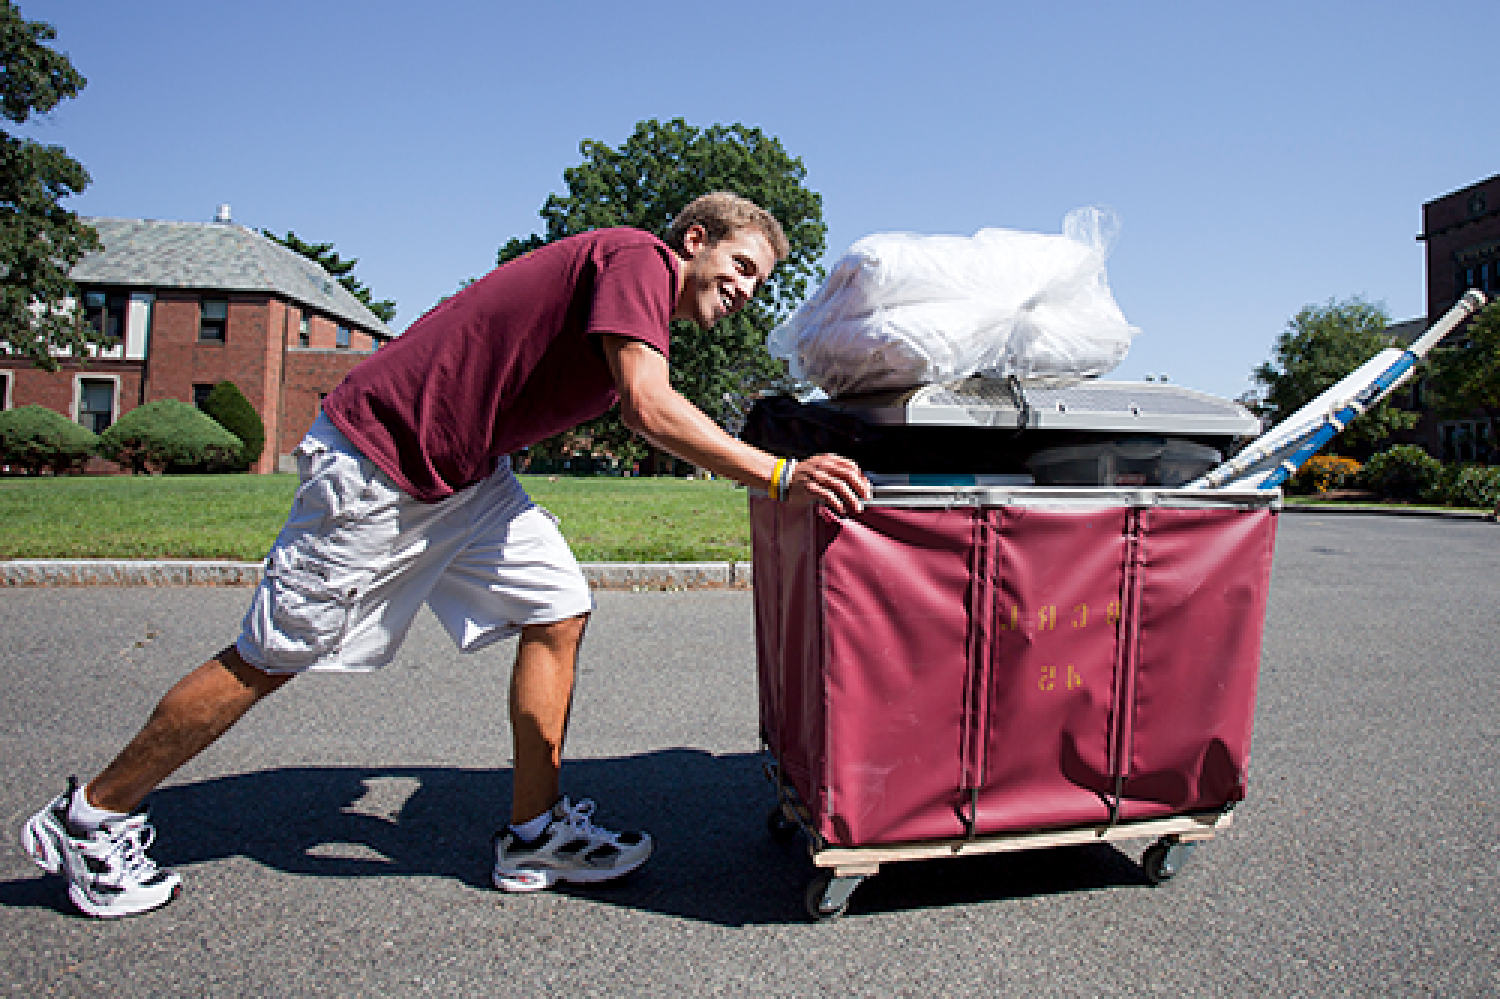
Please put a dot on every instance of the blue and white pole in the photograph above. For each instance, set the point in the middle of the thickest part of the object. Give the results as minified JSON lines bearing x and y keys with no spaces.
{"x":1276,"y":455}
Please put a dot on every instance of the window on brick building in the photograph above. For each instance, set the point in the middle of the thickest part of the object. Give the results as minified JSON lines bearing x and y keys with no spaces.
{"x":4,"y":389}
{"x":304,"y":334}
{"x":213,"y":318}
{"x":96,"y":403}
{"x":200,"y":393}
{"x":343,"y":338}
{"x":105,"y":312}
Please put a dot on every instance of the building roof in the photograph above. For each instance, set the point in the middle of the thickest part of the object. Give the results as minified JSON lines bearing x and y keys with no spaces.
{"x":1406,"y":331}
{"x":152,"y":253}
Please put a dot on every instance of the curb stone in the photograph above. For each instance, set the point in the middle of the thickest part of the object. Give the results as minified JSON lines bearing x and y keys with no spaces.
{"x":164,"y":572}
{"x":601,"y":575}
{"x":1389,"y":511}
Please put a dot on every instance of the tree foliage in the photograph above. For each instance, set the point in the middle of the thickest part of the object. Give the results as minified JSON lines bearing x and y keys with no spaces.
{"x":1319,"y":346}
{"x":229,"y":407}
{"x":1468,"y":375}
{"x":644,"y":183}
{"x":40,"y":241}
{"x":37,"y":439}
{"x":337,"y":267}
{"x":168,"y":434}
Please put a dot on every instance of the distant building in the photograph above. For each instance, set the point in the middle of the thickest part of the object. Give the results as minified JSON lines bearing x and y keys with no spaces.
{"x":1462,"y":233}
{"x":190,"y":304}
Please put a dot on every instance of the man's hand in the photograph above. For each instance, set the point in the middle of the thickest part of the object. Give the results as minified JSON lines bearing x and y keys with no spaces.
{"x":831,"y":480}
{"x":651,"y":407}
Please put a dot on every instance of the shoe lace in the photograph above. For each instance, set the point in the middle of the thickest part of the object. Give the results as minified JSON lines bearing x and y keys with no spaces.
{"x":577,"y":818}
{"x":126,"y":851}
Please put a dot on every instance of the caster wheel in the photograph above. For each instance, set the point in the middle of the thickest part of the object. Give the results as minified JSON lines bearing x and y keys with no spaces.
{"x":828,"y":896}
{"x":1165,"y":858}
{"x":781,"y":828}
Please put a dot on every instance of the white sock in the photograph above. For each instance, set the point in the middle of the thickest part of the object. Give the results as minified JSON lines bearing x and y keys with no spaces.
{"x":85,"y":818}
{"x":532,"y":830}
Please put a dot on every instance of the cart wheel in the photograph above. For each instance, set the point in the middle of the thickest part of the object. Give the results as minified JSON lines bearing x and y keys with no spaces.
{"x":1165,"y":858}
{"x":779,"y":826}
{"x":828,"y":896}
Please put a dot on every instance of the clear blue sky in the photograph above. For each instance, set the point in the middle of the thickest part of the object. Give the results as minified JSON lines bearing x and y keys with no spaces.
{"x":1262,"y":156}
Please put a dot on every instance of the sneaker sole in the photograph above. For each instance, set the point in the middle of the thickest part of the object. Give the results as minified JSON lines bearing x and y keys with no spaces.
{"x":90,"y":908}
{"x":540,"y":879}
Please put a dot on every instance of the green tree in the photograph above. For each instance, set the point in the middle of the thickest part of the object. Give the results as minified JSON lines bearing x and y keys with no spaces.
{"x":337,"y":267}
{"x":1467,"y":376}
{"x":228,"y":405}
{"x":40,"y":241}
{"x":1319,"y":346}
{"x":644,"y":183}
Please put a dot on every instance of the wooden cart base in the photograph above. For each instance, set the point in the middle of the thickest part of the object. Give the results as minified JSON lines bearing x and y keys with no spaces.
{"x":842,"y":869}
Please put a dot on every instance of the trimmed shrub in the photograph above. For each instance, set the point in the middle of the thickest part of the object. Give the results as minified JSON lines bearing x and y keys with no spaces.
{"x":1322,"y":473}
{"x":1473,"y":486}
{"x":37,"y":439}
{"x":168,"y":435}
{"x":1404,"y":472}
{"x":228,"y":405}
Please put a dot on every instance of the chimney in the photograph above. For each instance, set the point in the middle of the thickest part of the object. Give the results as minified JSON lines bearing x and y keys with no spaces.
{"x":222,"y":217}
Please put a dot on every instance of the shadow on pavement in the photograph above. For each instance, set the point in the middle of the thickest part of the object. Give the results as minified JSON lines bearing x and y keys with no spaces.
{"x":714,"y":860}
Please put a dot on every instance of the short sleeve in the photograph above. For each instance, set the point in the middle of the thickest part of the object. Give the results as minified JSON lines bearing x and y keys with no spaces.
{"x":634,"y":292}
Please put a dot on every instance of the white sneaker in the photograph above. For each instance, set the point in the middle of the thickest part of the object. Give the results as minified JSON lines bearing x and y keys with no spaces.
{"x":571,"y":849}
{"x":108,"y":871}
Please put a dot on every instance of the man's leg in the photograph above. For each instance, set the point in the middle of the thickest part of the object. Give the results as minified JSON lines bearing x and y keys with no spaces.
{"x":541,"y":693}
{"x":89,"y":839}
{"x":196,"y":711}
{"x":569,"y":847}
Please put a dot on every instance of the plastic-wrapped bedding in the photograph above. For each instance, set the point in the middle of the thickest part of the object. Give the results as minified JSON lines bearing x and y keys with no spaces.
{"x":900,"y":310}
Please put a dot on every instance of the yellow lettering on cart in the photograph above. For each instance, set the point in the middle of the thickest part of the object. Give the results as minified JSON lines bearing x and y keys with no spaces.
{"x":1013,"y":621}
{"x":1048,"y":679}
{"x":1112,"y":612}
{"x":1081,"y":616}
{"x":1046,"y":618}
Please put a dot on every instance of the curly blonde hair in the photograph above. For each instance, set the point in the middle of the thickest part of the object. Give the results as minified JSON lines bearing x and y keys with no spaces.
{"x":721,"y":214}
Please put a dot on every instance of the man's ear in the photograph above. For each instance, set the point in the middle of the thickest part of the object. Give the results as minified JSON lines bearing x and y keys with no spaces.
{"x":694,"y":241}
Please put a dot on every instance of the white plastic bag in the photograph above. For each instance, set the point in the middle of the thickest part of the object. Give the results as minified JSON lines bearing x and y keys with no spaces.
{"x":900,"y":310}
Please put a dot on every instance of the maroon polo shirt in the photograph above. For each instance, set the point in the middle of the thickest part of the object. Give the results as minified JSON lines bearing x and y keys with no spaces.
{"x":512,"y":359}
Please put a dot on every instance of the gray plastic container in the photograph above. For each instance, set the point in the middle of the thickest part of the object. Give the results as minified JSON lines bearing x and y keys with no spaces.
{"x":1134,"y":461}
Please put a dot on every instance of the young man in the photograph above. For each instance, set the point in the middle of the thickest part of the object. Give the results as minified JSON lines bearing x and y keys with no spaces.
{"x":407,"y":497}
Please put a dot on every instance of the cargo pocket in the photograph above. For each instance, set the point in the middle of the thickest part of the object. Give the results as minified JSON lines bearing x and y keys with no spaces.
{"x":298,"y":616}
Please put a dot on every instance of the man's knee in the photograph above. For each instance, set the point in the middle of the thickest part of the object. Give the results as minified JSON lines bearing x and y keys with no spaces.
{"x":253,"y":677}
{"x":563,"y":634}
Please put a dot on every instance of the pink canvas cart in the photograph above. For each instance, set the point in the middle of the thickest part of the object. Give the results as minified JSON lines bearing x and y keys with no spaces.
{"x":963,"y":670}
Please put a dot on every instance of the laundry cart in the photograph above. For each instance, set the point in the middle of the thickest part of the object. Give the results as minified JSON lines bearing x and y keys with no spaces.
{"x":977,"y":663}
{"x":1044,"y":630}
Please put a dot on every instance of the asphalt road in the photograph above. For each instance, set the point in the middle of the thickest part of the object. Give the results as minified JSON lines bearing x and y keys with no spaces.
{"x":336,"y":842}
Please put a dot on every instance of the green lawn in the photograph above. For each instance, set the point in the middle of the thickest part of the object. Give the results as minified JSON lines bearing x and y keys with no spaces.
{"x":237,"y":517}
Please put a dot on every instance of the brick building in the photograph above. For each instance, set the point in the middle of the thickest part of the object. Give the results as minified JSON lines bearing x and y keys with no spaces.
{"x":188,"y":305}
{"x":1462,"y":233}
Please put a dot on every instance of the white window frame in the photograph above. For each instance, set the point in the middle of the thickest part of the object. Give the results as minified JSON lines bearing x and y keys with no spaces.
{"x":8,"y":391}
{"x":76,"y":415}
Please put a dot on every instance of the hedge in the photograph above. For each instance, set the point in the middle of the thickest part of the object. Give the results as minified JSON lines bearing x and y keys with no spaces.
{"x":228,"y":405}
{"x":168,"y":435}
{"x":38,"y":439}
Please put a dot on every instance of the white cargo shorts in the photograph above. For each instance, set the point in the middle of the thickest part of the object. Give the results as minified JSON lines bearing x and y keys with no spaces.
{"x":358,"y":557}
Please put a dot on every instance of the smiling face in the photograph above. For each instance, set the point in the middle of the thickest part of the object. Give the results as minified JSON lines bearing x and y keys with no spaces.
{"x":718,"y":279}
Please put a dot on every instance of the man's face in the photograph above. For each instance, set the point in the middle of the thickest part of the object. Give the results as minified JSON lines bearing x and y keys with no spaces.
{"x":719,"y":279}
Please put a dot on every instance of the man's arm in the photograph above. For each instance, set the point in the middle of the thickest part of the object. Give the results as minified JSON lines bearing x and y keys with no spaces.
{"x":651,"y":407}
